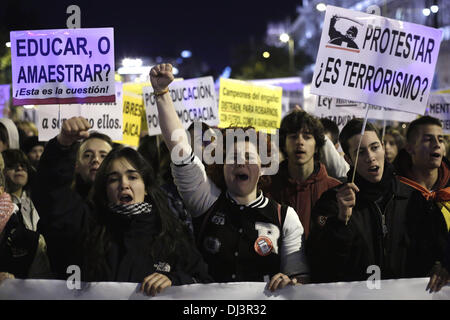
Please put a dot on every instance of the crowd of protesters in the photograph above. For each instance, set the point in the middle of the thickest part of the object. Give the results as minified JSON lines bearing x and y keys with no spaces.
{"x":161,"y":216}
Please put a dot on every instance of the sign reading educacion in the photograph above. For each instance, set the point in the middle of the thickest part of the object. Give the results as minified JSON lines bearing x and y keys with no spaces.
{"x":375,"y":60}
{"x":193,"y":99}
{"x":63,"y":66}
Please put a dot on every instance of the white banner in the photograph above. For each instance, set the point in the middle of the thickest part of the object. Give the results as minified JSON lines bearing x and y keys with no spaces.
{"x":106,"y":118}
{"x":341,"y":110}
{"x":193,"y":99}
{"x":375,"y":60}
{"x":63,"y":66}
{"x":439,"y":107}
{"x":402,"y":289}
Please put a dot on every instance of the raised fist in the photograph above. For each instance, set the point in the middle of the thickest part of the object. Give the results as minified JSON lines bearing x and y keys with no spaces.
{"x":161,"y":76}
{"x":73,"y":129}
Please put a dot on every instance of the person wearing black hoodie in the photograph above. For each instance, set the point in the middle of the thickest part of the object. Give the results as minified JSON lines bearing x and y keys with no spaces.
{"x":374,"y":221}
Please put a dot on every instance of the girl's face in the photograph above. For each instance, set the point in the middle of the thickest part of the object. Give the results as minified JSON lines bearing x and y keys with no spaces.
{"x":242,"y":176}
{"x":124,"y":184}
{"x":16,"y":176}
{"x":390,"y":148}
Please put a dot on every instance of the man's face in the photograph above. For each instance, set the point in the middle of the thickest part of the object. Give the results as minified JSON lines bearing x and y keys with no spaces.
{"x":91,"y":155}
{"x":428,"y":148}
{"x":300,"y":147}
{"x":371,"y":156}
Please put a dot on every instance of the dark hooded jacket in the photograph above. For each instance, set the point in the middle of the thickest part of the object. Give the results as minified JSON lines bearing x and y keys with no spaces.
{"x":392,"y":226}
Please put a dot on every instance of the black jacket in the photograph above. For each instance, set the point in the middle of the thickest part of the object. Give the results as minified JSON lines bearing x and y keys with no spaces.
{"x":18,"y":247}
{"x":414,"y":237}
{"x":66,"y":219}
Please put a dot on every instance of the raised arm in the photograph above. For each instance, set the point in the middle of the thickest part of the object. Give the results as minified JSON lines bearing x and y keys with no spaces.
{"x":197,"y":190}
{"x":171,"y":128}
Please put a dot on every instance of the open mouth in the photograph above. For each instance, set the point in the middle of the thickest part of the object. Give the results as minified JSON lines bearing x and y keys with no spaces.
{"x":374,"y":169}
{"x":242,"y":177}
{"x":125,"y":199}
{"x":435,"y":155}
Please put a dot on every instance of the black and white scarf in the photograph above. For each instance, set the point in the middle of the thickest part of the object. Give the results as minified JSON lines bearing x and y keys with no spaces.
{"x":132,"y":209}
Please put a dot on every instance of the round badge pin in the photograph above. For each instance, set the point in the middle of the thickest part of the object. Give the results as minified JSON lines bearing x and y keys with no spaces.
{"x":263,"y":246}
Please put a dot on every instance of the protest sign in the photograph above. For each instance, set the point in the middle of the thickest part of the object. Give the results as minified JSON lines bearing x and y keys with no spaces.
{"x":63,"y":66}
{"x":4,"y":99}
{"x":133,"y":110}
{"x":375,"y":60}
{"x":292,"y":91}
{"x":244,"y":104}
{"x":341,"y":111}
{"x":439,"y":107}
{"x":103,"y":117}
{"x":193,"y":99}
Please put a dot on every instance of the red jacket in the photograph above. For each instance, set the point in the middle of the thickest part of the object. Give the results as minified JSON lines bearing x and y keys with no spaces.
{"x":300,"y":195}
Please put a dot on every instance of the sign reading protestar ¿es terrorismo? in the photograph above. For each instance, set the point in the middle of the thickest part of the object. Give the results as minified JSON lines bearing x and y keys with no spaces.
{"x":375,"y":60}
{"x":63,"y":66}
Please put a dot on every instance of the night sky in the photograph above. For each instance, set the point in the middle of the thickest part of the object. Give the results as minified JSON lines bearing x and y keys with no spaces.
{"x":159,"y":28}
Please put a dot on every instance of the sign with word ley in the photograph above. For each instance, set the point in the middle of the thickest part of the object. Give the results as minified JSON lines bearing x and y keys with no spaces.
{"x":106,"y":118}
{"x":375,"y":60}
{"x":63,"y":66}
{"x":193,"y":99}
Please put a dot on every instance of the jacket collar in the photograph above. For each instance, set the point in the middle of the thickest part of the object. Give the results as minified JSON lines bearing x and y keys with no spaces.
{"x":260,"y":201}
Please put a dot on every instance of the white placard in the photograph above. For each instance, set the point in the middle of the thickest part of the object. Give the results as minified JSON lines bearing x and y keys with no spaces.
{"x":375,"y":60}
{"x":439,"y":107}
{"x":106,"y":118}
{"x":63,"y":66}
{"x":193,"y":99}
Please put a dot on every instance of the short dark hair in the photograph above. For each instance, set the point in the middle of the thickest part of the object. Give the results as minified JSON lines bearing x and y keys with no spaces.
{"x":331,"y":127}
{"x":95,"y":135}
{"x":4,"y":137}
{"x":298,"y":120}
{"x":352,"y":128}
{"x":413,"y":127}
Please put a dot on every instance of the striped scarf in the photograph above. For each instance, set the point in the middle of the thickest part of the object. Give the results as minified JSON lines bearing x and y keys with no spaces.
{"x":132,"y":209}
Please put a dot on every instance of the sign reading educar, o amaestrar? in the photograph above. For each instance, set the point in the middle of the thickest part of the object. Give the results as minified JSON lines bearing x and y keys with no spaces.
{"x":63,"y":66}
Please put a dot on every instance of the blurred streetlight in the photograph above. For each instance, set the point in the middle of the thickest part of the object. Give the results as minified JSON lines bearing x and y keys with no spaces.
{"x":426,"y":12}
{"x":186,"y":54}
{"x":434,"y":8}
{"x":321,"y":7}
{"x":284,"y":37}
{"x":266,"y":55}
{"x":8,"y":44}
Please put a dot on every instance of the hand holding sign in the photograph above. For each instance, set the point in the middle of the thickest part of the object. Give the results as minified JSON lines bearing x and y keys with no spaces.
{"x":73,"y":129}
{"x":346,"y":199}
{"x":161,"y":76}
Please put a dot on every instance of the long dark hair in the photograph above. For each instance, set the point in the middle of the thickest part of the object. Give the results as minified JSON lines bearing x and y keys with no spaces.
{"x":172,"y":232}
